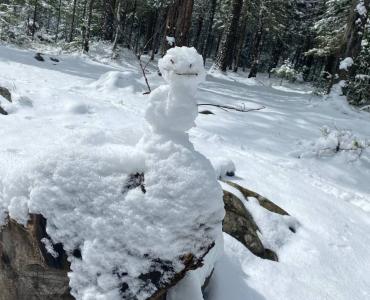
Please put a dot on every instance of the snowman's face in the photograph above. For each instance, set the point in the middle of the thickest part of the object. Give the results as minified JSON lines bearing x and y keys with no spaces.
{"x":182,"y":64}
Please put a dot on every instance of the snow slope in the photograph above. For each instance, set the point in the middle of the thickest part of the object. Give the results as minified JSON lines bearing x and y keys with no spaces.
{"x":81,"y":102}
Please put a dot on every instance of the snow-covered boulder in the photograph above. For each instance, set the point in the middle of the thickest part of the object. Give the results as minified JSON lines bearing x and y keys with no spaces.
{"x":27,"y":270}
{"x":259,"y":224}
{"x":5,"y":97}
{"x":4,"y":92}
{"x":224,"y":168}
{"x":135,"y":220}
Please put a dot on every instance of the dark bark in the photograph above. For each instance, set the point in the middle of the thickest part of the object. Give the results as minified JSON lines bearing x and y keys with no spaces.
{"x":198,"y":32}
{"x":120,"y":23}
{"x":240,"y":43}
{"x":86,"y":41}
{"x":73,"y":21}
{"x":132,"y":24}
{"x":225,"y":51}
{"x":58,"y":20}
{"x":277,"y":51}
{"x":209,"y":29}
{"x":351,"y":43}
{"x":257,"y":47}
{"x":108,"y":23}
{"x":178,"y":23}
{"x":34,"y":26}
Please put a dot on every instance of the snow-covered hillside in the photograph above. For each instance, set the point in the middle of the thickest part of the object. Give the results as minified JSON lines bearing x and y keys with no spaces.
{"x":309,"y":155}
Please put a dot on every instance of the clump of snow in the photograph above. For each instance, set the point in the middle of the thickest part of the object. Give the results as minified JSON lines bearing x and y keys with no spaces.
{"x":361,"y":9}
{"x":24,"y":101}
{"x":49,"y":247}
{"x":113,"y":80}
{"x":224,"y":167}
{"x":123,"y":227}
{"x":170,"y":40}
{"x":346,"y":63}
{"x":78,"y":108}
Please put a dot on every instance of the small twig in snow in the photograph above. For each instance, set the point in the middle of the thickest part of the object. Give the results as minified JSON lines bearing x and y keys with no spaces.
{"x":226,"y":107}
{"x":143,"y":68}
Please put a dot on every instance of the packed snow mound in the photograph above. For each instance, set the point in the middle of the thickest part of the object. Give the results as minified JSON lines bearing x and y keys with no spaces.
{"x":114,"y":80}
{"x":224,"y":167}
{"x":346,"y":63}
{"x":78,"y":108}
{"x":84,"y":196}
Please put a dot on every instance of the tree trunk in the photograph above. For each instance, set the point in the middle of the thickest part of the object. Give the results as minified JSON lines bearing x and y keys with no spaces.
{"x":58,"y":20}
{"x":132,"y":24}
{"x":88,"y":28}
{"x":225,"y":51}
{"x":178,"y":23}
{"x":241,"y":40}
{"x":351,"y":44}
{"x":257,"y":47}
{"x":276,"y":54}
{"x":198,"y":32}
{"x":34,"y":20}
{"x":120,"y":21}
{"x":209,"y":29}
{"x":73,"y":21}
{"x":108,"y":24}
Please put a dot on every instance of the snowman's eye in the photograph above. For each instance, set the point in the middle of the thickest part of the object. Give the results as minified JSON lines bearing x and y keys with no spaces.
{"x":172,"y":61}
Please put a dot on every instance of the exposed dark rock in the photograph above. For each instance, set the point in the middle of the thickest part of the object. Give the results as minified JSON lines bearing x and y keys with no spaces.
{"x":134,"y":181}
{"x":206,"y":112}
{"x":5,"y":93}
{"x":27,"y":271}
{"x":39,"y":57}
{"x":3,"y":111}
{"x":264,"y":202}
{"x":230,"y":173}
{"x":239,"y":223}
{"x":54,"y":59}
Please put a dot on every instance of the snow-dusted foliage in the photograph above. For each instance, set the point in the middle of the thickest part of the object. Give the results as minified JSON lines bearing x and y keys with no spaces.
{"x":286,"y":71}
{"x":129,"y":210}
{"x":333,"y":141}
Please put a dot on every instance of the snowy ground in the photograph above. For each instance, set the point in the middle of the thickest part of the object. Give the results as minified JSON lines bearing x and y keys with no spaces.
{"x":279,"y":152}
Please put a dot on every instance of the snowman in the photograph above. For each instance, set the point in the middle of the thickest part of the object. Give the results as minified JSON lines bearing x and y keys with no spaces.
{"x":180,"y":182}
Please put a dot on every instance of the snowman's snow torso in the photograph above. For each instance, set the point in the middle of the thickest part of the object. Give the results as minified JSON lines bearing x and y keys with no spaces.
{"x":171,"y":109}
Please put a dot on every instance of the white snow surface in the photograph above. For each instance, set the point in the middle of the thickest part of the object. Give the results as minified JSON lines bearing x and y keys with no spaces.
{"x":328,"y":196}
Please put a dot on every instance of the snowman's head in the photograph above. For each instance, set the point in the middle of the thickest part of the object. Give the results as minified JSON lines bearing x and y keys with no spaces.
{"x":182,"y":65}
